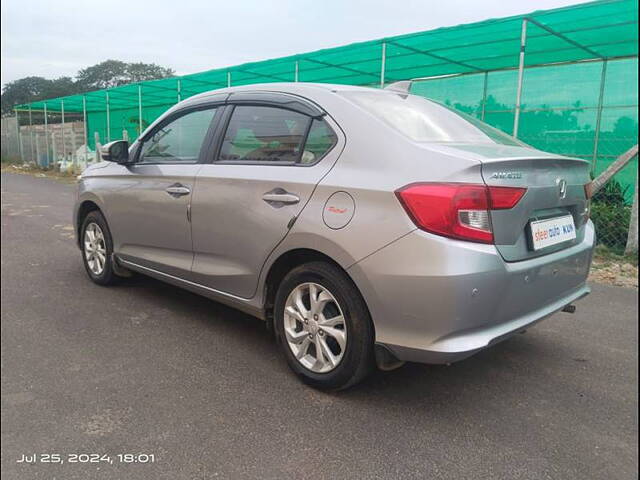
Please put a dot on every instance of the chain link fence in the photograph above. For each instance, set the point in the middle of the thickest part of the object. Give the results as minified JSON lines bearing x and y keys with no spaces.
{"x":587,"y":110}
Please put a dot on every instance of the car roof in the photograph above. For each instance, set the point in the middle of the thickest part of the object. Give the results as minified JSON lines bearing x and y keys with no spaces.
{"x":295,"y":88}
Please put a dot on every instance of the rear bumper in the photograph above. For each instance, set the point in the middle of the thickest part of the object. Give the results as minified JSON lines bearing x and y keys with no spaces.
{"x":437,"y":300}
{"x":461,"y":345}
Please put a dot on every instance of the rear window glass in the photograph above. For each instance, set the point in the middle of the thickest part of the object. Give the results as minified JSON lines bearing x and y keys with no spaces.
{"x":425,"y":121}
{"x":320,"y":140}
{"x":264,"y":134}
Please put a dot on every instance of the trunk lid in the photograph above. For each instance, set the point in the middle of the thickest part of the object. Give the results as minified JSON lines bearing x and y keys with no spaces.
{"x":555,"y":188}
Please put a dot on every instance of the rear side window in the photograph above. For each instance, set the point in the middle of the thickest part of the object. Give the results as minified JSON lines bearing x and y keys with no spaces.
{"x":320,"y":140}
{"x":426,"y":121}
{"x":264,"y":134}
{"x":179,"y":141}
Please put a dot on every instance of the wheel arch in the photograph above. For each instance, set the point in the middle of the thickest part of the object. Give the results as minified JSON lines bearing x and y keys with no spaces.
{"x":287,"y":261}
{"x":84,"y":208}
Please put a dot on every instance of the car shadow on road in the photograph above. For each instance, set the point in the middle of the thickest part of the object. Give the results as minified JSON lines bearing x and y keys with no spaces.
{"x":510,"y":365}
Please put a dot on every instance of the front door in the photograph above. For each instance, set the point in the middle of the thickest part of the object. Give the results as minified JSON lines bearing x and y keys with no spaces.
{"x":150,"y":210}
{"x":267,"y":165}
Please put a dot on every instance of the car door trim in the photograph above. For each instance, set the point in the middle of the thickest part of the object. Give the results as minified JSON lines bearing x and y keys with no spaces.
{"x":180,"y":279}
{"x":282,"y":100}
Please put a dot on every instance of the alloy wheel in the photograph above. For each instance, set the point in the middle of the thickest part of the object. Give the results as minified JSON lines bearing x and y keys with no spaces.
{"x":315,"y":327}
{"x":95,"y":248}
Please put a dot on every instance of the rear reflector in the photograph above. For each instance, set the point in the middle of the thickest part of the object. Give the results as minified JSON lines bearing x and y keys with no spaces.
{"x":505,"y":198}
{"x":457,"y":210}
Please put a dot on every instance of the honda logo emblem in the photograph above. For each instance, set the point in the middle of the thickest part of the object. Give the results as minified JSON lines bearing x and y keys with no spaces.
{"x":562,"y":188}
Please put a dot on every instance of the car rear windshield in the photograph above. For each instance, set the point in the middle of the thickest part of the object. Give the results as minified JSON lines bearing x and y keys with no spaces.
{"x":423,"y":120}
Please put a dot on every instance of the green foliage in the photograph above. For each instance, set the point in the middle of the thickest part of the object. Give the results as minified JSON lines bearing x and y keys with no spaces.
{"x":29,"y":89}
{"x":110,"y":73}
{"x":612,"y":193}
{"x":611,"y":216}
{"x":605,"y":254}
{"x":139,"y":72}
{"x":113,"y":73}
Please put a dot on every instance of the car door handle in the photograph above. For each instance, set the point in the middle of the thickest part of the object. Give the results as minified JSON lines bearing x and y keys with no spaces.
{"x":280,"y":198}
{"x":178,"y":190}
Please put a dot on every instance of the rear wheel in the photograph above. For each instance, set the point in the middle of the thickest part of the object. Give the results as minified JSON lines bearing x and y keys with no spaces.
{"x":97,"y":249}
{"x":323,"y":326}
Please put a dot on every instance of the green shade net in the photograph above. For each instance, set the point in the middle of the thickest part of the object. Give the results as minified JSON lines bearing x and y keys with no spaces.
{"x":565,"y":108}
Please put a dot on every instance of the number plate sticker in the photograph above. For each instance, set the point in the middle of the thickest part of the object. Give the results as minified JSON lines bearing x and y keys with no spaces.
{"x":545,"y":233}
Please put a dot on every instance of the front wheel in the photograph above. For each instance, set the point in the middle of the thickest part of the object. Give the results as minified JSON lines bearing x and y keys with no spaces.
{"x":97,"y":249}
{"x":323,"y":326}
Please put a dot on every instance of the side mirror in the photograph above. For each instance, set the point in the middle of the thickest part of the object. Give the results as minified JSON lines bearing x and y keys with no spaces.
{"x":117,"y":151}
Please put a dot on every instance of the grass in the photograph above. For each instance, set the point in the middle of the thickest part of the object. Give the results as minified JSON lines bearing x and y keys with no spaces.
{"x":605,"y":255}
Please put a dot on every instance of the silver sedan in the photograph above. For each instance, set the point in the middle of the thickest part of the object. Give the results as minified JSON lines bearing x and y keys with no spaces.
{"x":364,"y":226}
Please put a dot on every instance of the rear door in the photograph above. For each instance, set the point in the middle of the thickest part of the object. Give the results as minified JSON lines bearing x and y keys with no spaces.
{"x":149,"y":203}
{"x":272,"y":151}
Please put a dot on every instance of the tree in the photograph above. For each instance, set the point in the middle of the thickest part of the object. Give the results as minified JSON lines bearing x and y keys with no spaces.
{"x":139,"y":72}
{"x":110,"y":73}
{"x":113,"y":73}
{"x":30,"y":89}
{"x":24,"y":90}
{"x":61,"y":87}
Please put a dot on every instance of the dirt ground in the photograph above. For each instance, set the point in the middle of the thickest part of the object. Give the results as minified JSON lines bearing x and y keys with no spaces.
{"x":620,"y":271}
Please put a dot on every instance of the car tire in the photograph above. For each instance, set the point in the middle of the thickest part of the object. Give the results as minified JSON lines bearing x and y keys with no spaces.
{"x":337,"y":299}
{"x":96,"y":245}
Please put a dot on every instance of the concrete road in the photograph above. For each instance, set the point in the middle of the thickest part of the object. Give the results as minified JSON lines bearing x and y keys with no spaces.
{"x":148,"y":368}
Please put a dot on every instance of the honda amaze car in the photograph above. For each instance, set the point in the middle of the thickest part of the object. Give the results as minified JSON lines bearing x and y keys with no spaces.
{"x":364,"y":226}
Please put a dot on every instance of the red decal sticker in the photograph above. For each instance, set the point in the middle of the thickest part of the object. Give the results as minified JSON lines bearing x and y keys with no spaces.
{"x":336,"y":210}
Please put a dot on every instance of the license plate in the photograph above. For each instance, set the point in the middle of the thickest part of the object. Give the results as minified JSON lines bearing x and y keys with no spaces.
{"x":545,"y":233}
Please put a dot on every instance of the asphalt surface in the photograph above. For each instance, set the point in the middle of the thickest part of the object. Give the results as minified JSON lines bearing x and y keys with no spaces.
{"x":149,"y":368}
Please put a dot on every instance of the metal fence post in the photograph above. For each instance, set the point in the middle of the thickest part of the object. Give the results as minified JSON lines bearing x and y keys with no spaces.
{"x":96,"y":137}
{"x":295,"y":77}
{"x":140,"y":106}
{"x":596,"y":137}
{"x":523,"y":43}
{"x":46,"y":135}
{"x":484,"y":96}
{"x":30,"y":134}
{"x":85,"y":129}
{"x":228,"y":79}
{"x":179,"y":88}
{"x":632,"y":236}
{"x":64,"y":146}
{"x":74,"y":159}
{"x":383,"y":62}
{"x":20,"y":146}
{"x":54,"y":150}
{"x":37,"y":150}
{"x":108,"y":118}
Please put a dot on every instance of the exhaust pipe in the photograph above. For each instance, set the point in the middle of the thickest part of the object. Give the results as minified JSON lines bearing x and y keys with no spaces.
{"x":571,"y":308}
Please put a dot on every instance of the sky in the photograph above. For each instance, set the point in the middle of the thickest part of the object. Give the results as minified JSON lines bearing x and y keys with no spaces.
{"x":57,"y":38}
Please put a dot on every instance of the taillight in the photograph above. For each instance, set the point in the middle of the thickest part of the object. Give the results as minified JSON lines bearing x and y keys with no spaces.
{"x":505,"y":198}
{"x":457,"y":210}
